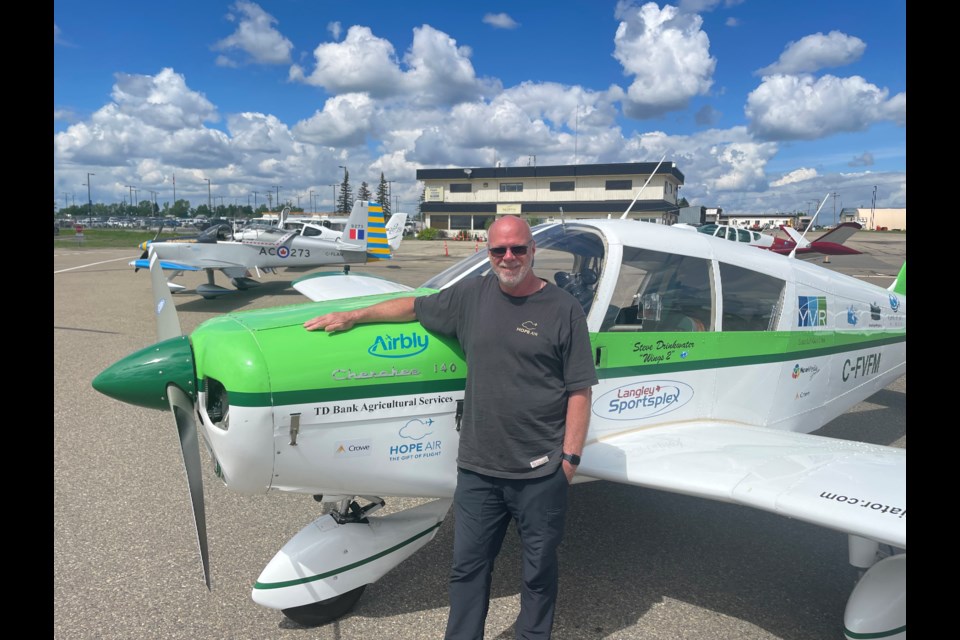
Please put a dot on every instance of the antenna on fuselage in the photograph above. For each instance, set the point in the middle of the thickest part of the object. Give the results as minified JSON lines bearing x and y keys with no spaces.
{"x":793,"y":252}
{"x":624,"y":216}
{"x":563,"y":221}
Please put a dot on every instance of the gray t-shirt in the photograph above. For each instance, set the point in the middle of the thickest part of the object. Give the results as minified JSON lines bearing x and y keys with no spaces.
{"x":524,"y":355}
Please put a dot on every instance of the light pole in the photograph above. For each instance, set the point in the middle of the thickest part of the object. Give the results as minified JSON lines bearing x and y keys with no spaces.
{"x":254,"y":201}
{"x":89,"y":199}
{"x":312,"y":208}
{"x":277,"y":187}
{"x":334,"y":205}
{"x":209,"y":197}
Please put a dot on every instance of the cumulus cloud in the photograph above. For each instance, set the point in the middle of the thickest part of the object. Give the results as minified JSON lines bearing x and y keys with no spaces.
{"x":803,"y":108}
{"x":259,"y":133}
{"x":798,"y":175}
{"x":666,"y":52}
{"x":815,"y":52}
{"x":161,"y":101}
{"x":732,"y":22}
{"x":255,"y":37}
{"x":865,"y":160}
{"x":434,"y":70}
{"x":500,"y":21}
{"x":343,"y":122}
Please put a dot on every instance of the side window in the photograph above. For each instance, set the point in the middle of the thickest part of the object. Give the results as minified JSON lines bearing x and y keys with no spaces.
{"x":659,"y":291}
{"x":751,"y":300}
{"x":744,"y":235}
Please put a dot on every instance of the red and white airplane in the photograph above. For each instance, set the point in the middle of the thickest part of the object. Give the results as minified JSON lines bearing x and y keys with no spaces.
{"x":830,"y":243}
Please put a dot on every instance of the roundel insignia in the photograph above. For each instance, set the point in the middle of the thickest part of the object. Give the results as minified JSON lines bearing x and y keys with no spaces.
{"x":283,"y":252}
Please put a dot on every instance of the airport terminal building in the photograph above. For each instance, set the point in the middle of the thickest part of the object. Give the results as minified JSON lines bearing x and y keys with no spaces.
{"x":466,"y":200}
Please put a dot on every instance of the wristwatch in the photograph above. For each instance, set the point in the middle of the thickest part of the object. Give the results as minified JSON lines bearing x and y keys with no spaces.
{"x":572,"y":458}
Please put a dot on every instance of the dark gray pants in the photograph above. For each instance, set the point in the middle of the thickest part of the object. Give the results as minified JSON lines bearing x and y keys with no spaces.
{"x":483,"y":507}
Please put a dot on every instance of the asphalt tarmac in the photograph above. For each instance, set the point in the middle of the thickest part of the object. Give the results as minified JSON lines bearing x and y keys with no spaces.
{"x":635,"y":563}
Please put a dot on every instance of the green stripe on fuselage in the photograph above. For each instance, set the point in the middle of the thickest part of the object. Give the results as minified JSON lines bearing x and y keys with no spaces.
{"x":267,"y":359}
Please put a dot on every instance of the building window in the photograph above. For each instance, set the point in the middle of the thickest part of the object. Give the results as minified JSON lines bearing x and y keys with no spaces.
{"x":461,"y":187}
{"x":439,"y":221}
{"x":566,"y":185}
{"x":511,"y":187}
{"x":460,"y":222}
{"x":618,"y":185}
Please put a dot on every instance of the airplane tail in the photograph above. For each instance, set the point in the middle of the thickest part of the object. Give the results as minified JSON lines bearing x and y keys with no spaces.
{"x":801,"y":242}
{"x":378,"y":245}
{"x":395,"y":228}
{"x":355,"y":236}
{"x":900,"y":284}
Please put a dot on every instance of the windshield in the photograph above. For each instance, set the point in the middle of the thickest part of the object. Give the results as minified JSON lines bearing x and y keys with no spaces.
{"x":570,"y":256}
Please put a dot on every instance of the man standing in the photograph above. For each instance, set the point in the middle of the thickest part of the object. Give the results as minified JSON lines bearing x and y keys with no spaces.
{"x":526,"y":412}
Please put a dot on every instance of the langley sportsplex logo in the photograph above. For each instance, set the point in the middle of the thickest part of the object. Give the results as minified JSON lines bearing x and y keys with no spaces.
{"x":401,"y":346}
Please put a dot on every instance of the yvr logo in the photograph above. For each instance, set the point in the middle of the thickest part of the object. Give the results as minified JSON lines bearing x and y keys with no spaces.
{"x":812,"y":311}
{"x":401,"y":346}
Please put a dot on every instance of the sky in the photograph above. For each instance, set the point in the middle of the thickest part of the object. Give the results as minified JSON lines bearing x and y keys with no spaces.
{"x":764,"y":106}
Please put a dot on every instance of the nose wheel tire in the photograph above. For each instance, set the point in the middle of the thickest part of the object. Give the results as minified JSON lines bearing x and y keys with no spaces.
{"x":325,"y":611}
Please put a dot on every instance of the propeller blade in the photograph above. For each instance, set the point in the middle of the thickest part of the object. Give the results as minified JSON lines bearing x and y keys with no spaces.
{"x":168,"y":324}
{"x":183,"y":412}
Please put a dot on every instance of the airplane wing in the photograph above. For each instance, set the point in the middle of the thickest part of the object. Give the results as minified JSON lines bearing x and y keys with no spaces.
{"x":848,"y":486}
{"x":335,"y":285}
{"x":164,"y":264}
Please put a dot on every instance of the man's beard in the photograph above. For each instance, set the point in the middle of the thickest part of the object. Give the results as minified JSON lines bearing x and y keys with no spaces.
{"x":510,"y":278}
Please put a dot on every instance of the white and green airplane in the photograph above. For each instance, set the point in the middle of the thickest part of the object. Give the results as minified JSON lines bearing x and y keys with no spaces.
{"x":715,"y":361}
{"x":366,"y":237}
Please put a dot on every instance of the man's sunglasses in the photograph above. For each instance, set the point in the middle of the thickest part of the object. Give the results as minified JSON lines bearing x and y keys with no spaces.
{"x":519,"y":250}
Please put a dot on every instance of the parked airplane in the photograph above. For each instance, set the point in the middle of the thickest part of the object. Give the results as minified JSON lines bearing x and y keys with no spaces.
{"x":267,"y":247}
{"x":715,"y":362}
{"x":830,"y":243}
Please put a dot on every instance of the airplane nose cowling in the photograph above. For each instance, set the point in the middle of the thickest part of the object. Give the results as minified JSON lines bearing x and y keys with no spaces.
{"x":142,"y":377}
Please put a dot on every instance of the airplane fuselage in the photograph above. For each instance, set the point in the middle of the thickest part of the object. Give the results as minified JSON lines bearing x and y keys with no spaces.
{"x":296,"y":252}
{"x":374,"y":411}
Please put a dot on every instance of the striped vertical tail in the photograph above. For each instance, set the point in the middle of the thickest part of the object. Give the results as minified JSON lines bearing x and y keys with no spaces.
{"x":377,"y":246}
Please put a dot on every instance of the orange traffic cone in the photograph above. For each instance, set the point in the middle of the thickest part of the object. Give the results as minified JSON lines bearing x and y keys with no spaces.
{"x":446,"y":252}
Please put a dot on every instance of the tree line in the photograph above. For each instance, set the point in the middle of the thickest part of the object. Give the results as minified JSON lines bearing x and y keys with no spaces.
{"x":182,"y":208}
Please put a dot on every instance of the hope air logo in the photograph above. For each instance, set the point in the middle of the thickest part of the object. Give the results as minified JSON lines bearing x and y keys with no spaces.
{"x":421,"y":448}
{"x":401,"y":346}
{"x":639,"y":401}
{"x":813,"y":311}
{"x":529,"y":327}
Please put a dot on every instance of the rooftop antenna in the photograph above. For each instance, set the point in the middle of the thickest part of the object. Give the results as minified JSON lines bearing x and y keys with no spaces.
{"x":624,"y":216}
{"x":809,"y":225}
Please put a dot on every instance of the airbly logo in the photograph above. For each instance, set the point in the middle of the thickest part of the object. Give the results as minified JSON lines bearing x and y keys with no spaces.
{"x":401,"y":346}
